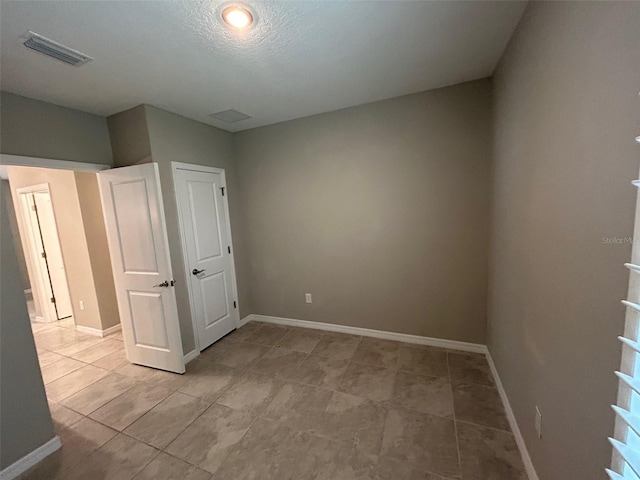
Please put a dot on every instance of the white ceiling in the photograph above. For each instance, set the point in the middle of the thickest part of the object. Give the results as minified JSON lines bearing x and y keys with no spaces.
{"x":300,"y":57}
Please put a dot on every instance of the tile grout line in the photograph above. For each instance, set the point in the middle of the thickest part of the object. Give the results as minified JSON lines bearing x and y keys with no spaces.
{"x":486,"y":426}
{"x":455,"y":426}
{"x":249,"y":368}
{"x":64,"y":345}
{"x":285,"y":380}
{"x":71,"y":394}
{"x":137,"y":383}
{"x":350,"y":362}
{"x":215,"y":402}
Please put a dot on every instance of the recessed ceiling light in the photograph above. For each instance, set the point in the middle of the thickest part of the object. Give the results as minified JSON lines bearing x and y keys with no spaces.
{"x":237,"y":17}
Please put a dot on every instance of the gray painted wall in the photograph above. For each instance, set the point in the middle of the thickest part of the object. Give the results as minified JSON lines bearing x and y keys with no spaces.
{"x":380,"y":211}
{"x":32,"y":128}
{"x":38,"y":129}
{"x":566,"y":113}
{"x":24,"y":412}
{"x":129,"y":136}
{"x":175,"y":138}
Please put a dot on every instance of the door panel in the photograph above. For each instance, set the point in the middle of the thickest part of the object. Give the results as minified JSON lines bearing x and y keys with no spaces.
{"x":203,"y":213}
{"x":214,"y":294}
{"x":136,"y":230}
{"x":148,"y":334}
{"x":139,"y":250}
{"x":206,"y":233}
{"x":54,"y":261}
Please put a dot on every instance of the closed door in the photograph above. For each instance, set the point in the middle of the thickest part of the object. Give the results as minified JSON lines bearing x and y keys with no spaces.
{"x":207,"y":244}
{"x":139,"y":250}
{"x":53,"y":253}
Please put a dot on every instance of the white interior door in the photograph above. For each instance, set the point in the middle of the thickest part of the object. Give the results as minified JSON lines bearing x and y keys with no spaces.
{"x":207,"y":243}
{"x":139,"y":249}
{"x":34,"y":255}
{"x":53,"y":253}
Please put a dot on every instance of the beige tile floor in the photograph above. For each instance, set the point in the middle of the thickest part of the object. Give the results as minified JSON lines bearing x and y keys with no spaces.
{"x":271,"y":402}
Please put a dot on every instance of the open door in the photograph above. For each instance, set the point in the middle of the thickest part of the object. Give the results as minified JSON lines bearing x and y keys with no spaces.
{"x":43,"y":253}
{"x":139,"y":250}
{"x":43,"y":210}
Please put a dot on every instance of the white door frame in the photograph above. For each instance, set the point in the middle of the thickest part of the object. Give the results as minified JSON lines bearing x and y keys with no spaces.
{"x":175,"y":166}
{"x":7,"y":160}
{"x":40,"y":283}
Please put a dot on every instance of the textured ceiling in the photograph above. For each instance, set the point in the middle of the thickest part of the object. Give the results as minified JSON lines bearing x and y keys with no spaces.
{"x":300,"y":58}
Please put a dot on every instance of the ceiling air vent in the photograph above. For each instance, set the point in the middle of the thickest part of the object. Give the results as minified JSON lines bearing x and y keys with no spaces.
{"x":230,"y":116}
{"x":55,"y":50}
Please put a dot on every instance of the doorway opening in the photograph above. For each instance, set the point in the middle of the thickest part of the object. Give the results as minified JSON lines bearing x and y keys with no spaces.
{"x":49,"y":286}
{"x":56,"y":220}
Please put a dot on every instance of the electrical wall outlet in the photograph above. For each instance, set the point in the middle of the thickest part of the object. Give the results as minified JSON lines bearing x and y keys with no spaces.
{"x":81,"y":302}
{"x":307,"y":298}
{"x":538,"y":422}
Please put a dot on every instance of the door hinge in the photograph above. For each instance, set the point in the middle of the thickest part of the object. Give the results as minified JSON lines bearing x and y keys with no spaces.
{"x":234,"y":304}
{"x":44,"y":254}
{"x":33,"y":207}
{"x":222,"y":188}
{"x":229,"y":249}
{"x":53,"y":299}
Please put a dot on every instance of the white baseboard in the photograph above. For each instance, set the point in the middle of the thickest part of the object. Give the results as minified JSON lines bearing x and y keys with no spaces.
{"x":89,"y":330}
{"x":190,"y":356}
{"x":96,"y":332}
{"x":367,"y":332}
{"x":29,"y":460}
{"x":245,"y":320}
{"x":112,"y":330}
{"x":526,"y":459}
{"x":43,"y":320}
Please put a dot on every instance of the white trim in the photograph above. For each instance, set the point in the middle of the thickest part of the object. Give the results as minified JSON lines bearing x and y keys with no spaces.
{"x":112,"y":330}
{"x":367,"y":332}
{"x":191,"y":355}
{"x":20,"y":161}
{"x":96,"y":332}
{"x":245,"y":320}
{"x":30,"y":459}
{"x":515,"y":429}
{"x":195,"y":167}
{"x":175,"y":166}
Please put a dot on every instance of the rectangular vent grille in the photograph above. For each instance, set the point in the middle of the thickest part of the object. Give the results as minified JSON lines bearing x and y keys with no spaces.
{"x":55,"y":50}
{"x":230,"y":116}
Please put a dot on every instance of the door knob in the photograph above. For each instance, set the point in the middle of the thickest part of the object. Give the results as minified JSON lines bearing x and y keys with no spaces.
{"x":195,"y":271}
{"x":163,"y":284}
